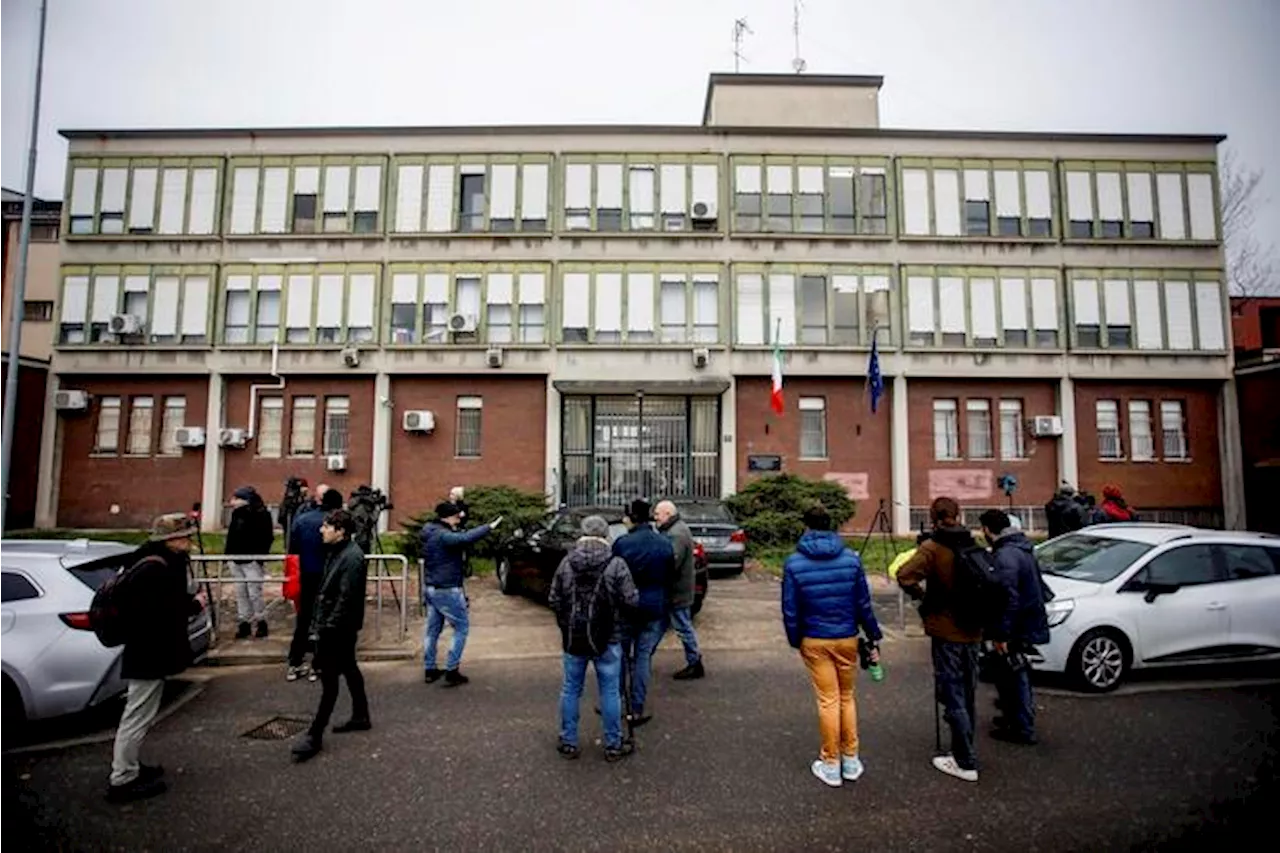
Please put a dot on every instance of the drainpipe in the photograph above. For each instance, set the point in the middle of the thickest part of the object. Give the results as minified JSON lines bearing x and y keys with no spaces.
{"x":254,"y":389}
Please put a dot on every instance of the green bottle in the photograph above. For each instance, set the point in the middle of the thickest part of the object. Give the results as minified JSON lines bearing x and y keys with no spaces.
{"x":876,"y":671}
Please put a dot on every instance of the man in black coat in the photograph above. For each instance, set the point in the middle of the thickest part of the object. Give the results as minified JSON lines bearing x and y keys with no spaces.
{"x":250,"y":534}
{"x":155,"y":597}
{"x":306,"y":541}
{"x":338,"y":618}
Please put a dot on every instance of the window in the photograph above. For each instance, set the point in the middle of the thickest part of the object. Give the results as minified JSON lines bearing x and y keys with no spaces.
{"x":174,"y":417}
{"x":920,"y":317}
{"x":639,"y":306}
{"x":1142,"y":445}
{"x":44,"y":232}
{"x":332,"y":306}
{"x":16,"y":587}
{"x":304,"y":196}
{"x":1008,"y":203}
{"x":1209,"y":316}
{"x":37,"y":311}
{"x":813,"y":309}
{"x":1188,"y":565}
{"x":1107,"y":417}
{"x":1250,"y":561}
{"x":306,"y":199}
{"x":267,"y":322}
{"x":532,"y":308}
{"x":778,"y":202}
{"x":946,"y":430}
{"x":609,"y":197}
{"x":948,"y":198}
{"x":1173,"y":428}
{"x":873,"y":211}
{"x":336,"y":419}
{"x":1080,"y":204}
{"x":239,"y":307}
{"x":1119,"y":327}
{"x":977,"y":203}
{"x":107,"y":436}
{"x":1140,"y":310}
{"x":1012,"y":433}
{"x":269,"y":440}
{"x":1141,"y":201}
{"x":1110,"y":205}
{"x":468,"y":433}
{"x":641,"y":195}
{"x":471,"y":198}
{"x":133,"y":192}
{"x":498,"y":323}
{"x":1044,"y":311}
{"x":302,"y":430}
{"x":476,"y":195}
{"x":1087,"y":317}
{"x":978,"y":429}
{"x":141,"y":411}
{"x":810,"y":196}
{"x":1013,"y":312}
{"x":813,"y":428}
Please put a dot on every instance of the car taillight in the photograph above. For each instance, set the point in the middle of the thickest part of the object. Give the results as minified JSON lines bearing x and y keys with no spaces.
{"x":79,"y":621}
{"x":699,"y":552}
{"x":738,"y":536}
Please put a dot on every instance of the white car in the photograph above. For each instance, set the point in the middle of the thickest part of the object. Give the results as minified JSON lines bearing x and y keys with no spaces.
{"x":1131,"y":596}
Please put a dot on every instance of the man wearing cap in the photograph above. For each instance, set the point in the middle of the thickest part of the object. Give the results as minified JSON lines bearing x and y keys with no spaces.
{"x":443,"y":593}
{"x":250,"y":534}
{"x":651,"y":558}
{"x":156,"y":599}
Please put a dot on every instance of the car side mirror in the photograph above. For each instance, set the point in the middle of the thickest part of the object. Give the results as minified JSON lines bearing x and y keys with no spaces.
{"x":1154,"y":590}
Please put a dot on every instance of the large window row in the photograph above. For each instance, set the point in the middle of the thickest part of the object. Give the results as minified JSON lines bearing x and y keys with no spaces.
{"x":622,"y":193}
{"x":300,"y":304}
{"x":812,"y":305}
{"x":640,"y":304}
{"x":468,"y":303}
{"x":159,"y":305}
{"x":1148,"y":310}
{"x":982,"y":307}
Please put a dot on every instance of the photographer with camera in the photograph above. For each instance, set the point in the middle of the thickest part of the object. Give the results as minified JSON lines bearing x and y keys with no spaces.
{"x":443,"y":588}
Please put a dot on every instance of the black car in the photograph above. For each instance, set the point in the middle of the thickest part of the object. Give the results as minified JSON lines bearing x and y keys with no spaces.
{"x":714,"y":528}
{"x":528,"y":561}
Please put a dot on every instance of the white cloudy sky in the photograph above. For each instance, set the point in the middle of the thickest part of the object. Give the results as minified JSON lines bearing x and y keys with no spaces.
{"x":1108,"y":65}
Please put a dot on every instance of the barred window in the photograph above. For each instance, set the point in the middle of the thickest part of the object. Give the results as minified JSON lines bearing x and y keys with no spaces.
{"x":302,"y":432}
{"x":813,"y":428}
{"x":946,"y":430}
{"x":337,"y":416}
{"x":107,"y":439}
{"x":1142,"y":443}
{"x":1107,"y":416}
{"x":467,"y":444}
{"x":141,"y":411}
{"x":979,"y":429}
{"x":1012,"y":435}
{"x":174,"y":417}
{"x":1173,"y":425}
{"x":270,"y":440}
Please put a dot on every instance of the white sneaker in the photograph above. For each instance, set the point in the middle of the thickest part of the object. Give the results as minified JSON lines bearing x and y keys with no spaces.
{"x":851,"y":768}
{"x":947,"y":764}
{"x":293,"y":673}
{"x":827,"y":773}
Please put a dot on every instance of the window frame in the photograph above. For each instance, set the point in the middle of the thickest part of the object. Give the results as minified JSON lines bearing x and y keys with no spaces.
{"x":967,"y":276}
{"x":1119,"y":430}
{"x":691,"y":273}
{"x":466,"y":271}
{"x":1182,"y":430}
{"x":1019,"y":451}
{"x":978,"y":406}
{"x":629,"y":161}
{"x":133,"y":164}
{"x":1134,"y":414}
{"x":273,"y":403}
{"x":294,"y":409}
{"x":1163,"y":278}
{"x":521,"y":223}
{"x":293,"y":163}
{"x":931,"y":165}
{"x":813,"y":409}
{"x":343,"y":335}
{"x":99,"y":448}
{"x":473,"y":403}
{"x":336,"y":404}
{"x":954,"y":438}
{"x":168,"y":445}
{"x":866,"y":275}
{"x":185,"y":274}
{"x":1154,"y":168}
{"x":862,"y":166}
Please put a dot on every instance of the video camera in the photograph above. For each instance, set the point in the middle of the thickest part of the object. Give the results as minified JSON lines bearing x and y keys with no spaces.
{"x":291,"y":501}
{"x":366,"y":504}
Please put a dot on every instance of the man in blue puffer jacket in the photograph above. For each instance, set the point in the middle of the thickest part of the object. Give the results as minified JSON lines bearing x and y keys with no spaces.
{"x":652,"y":560}
{"x":825,"y":600}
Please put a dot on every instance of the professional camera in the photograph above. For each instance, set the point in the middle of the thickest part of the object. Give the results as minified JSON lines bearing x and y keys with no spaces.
{"x":291,"y":501}
{"x":366,"y":504}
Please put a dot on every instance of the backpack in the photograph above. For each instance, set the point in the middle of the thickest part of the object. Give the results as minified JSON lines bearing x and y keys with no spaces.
{"x":590,"y":625}
{"x":107,"y":616}
{"x":978,"y":599}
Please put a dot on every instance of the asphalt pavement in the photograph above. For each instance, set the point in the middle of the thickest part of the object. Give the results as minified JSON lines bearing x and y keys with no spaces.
{"x":723,"y":766}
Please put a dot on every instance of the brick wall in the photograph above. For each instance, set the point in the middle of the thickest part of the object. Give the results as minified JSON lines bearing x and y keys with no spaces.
{"x":858,"y":450}
{"x":1159,"y":484}
{"x":513,"y":435}
{"x":141,"y":486}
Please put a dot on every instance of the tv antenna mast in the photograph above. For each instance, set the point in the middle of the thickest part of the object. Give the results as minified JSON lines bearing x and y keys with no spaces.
{"x":797,"y":63}
{"x":740,"y":30}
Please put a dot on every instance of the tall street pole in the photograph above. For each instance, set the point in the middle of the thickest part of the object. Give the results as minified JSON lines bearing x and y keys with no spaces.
{"x":20,"y":285}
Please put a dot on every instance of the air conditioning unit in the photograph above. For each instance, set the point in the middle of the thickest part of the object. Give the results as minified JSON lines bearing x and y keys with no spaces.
{"x":701,"y":357}
{"x":704,"y":216}
{"x":493,"y":357}
{"x":125,"y":324}
{"x":1046,"y":425}
{"x":71,"y":401}
{"x":419,"y":420}
{"x":337,"y":462}
{"x":462,"y":324}
{"x":351,"y":357}
{"x":189,"y":436}
{"x":232,"y":437}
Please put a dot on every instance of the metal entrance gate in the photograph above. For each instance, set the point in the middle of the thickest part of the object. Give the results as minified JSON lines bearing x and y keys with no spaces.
{"x":618,"y":448}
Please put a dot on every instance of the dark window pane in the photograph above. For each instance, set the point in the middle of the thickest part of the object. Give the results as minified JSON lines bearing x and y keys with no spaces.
{"x":842,"y":209}
{"x":304,"y":214}
{"x":366,"y":221}
{"x":1112,"y":229}
{"x":502,"y":225}
{"x":1010,"y":226}
{"x":813,"y":309}
{"x":575,"y":336}
{"x":1119,"y":336}
{"x":1088,"y":336}
{"x":471,"y":203}
{"x":1046,"y":338}
{"x":14,"y":587}
{"x":977,"y":218}
{"x":1250,"y":561}
{"x":1041,"y":227}
{"x":1015,"y":337}
{"x":1081,"y":229}
{"x":404,"y":316}
{"x":748,"y":212}
{"x":953,"y":339}
{"x":779,"y":212}
{"x":1185,"y":566}
{"x":533,"y":225}
{"x":609,"y":219}
{"x":810,"y":213}
{"x":1143,"y":230}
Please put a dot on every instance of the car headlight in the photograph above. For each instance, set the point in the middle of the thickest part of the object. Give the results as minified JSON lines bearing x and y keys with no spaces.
{"x":1058,"y":610}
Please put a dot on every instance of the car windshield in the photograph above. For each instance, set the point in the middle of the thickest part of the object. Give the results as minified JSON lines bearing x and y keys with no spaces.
{"x":705,"y":513}
{"x":1097,"y":559}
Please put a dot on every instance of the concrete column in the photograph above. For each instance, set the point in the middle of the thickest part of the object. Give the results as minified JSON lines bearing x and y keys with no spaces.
{"x":551,"y":464}
{"x":50,"y":470}
{"x":1231,"y":458}
{"x":729,"y":439}
{"x":900,"y":476}
{"x":1068,"y":447}
{"x":211,"y":490}
{"x":383,"y":412}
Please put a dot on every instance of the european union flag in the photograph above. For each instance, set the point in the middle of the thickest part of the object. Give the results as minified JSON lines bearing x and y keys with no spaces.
{"x":875,"y":382}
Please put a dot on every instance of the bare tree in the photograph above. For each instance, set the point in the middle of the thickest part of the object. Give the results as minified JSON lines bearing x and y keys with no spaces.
{"x":1251,"y":265}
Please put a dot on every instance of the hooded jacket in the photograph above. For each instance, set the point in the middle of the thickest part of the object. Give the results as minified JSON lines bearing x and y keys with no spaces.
{"x":651,"y":559}
{"x":934,"y":565}
{"x":595,"y":558}
{"x":1024,"y":620}
{"x":824,"y":591}
{"x":683,"y":581}
{"x":1062,"y":514}
{"x":251,"y":530}
{"x":158,"y":604}
{"x":1115,"y":509}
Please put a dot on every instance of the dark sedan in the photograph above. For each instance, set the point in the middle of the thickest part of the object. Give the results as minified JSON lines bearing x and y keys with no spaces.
{"x":528,"y":561}
{"x":714,"y":528}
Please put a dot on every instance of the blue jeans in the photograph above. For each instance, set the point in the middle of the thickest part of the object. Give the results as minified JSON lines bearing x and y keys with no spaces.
{"x":955,"y":674}
{"x":445,"y":605}
{"x":682,"y":622}
{"x":608,"y":681}
{"x":1016,"y":699}
{"x":639,"y":642}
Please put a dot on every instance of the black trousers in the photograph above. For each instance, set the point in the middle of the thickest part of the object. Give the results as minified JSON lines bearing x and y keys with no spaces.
{"x":302,"y":624}
{"x":336,"y":658}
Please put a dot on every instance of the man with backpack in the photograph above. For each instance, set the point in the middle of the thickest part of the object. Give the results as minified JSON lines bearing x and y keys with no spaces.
{"x":592,"y":595}
{"x":960,"y":597}
{"x":146,"y":607}
{"x":651,"y":559}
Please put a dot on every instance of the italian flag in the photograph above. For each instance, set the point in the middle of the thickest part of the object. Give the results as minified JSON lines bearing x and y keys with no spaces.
{"x":775,"y":391}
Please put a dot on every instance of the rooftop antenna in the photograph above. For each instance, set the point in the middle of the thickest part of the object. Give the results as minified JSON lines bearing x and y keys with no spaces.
{"x":798,"y":62}
{"x":740,"y":30}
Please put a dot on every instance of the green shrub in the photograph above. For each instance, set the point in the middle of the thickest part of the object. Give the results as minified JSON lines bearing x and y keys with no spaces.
{"x":484,"y":504}
{"x":770,"y":509}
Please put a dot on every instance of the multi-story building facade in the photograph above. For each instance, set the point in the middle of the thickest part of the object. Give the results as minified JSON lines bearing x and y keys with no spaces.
{"x":592,"y":311}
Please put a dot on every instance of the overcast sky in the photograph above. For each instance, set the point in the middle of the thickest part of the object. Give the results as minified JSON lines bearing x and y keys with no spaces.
{"x":1201,"y":66}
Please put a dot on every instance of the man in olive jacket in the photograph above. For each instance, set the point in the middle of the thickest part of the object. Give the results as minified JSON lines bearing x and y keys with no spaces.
{"x":338,"y":618}
{"x":682,"y":587}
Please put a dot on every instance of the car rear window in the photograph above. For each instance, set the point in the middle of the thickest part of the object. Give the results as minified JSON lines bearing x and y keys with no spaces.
{"x":1082,"y":557}
{"x":95,"y":574}
{"x":706,"y":513}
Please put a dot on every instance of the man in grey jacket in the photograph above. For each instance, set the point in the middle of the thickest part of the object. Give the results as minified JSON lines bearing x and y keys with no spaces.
{"x":682,"y":587}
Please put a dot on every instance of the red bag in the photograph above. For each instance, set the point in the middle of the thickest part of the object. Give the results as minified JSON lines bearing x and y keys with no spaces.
{"x":292,"y":579}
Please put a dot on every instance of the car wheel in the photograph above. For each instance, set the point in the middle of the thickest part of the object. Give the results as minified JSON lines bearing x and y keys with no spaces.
{"x":1100,"y":660}
{"x":506,"y":583}
{"x":697,"y":604}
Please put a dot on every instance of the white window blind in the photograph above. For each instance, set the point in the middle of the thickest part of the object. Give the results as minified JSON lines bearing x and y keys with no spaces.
{"x":329,"y":302}
{"x":275,"y":186}
{"x":705,"y":186}
{"x":747,"y":179}
{"x":609,"y":186}
{"x":642,"y":189}
{"x":195,"y":306}
{"x":409,"y":199}
{"x":142,"y":201}
{"x":1200,"y":200}
{"x":920,"y":304}
{"x":640,"y":302}
{"x":1140,"y":206}
{"x":135,"y":295}
{"x":306,"y":180}
{"x":439,"y":199}
{"x":1177,"y":307}
{"x":404,"y":288}
{"x":1039,"y":204}
{"x":1209,"y":315}
{"x":435,"y":288}
{"x":673,"y":297}
{"x":361,"y":301}
{"x":1110,"y":207}
{"x":1008,"y":200}
{"x":750,"y":309}
{"x":1146,"y":302}
{"x":244,"y":200}
{"x":106,"y":295}
{"x":337,"y":188}
{"x":915,"y":201}
{"x":173,"y":199}
{"x":672,"y":178}
{"x":500,"y":289}
{"x":706,"y":307}
{"x":84,"y":191}
{"x":533,"y":288}
{"x":982,"y":307}
{"x":298,"y":310}
{"x":1013,"y":303}
{"x":577,"y":300}
{"x":164,"y":314}
{"x":946,"y":197}
{"x":204,"y":198}
{"x":577,"y":186}
{"x":1116,"y":297}
{"x":1044,"y":304}
{"x":782,"y":308}
{"x":368,"y":188}
{"x":951,"y":305}
{"x":778,"y":179}
{"x":467,"y":295}
{"x":502,"y":195}
{"x":1085,"y":302}
{"x":1173,"y":225}
{"x":533,"y":191}
{"x":113,"y":184}
{"x":1079,"y":197}
{"x":608,"y":302}
{"x":976,"y":186}
{"x":75,"y":299}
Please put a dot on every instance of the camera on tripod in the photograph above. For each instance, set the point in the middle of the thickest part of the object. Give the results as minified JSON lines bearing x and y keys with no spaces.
{"x":366,"y":504}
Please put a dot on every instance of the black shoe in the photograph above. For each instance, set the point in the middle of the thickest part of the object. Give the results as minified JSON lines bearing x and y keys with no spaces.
{"x":242,"y":633}
{"x":305,"y":748}
{"x":639,"y":718}
{"x":262,"y":630}
{"x":621,"y":752}
{"x":567,"y":752}
{"x":431,"y":676}
{"x":1010,"y":736}
{"x":138,"y":789}
{"x":353,"y":725}
{"x":690,"y":672}
{"x":148,"y":772}
{"x":453,"y":678}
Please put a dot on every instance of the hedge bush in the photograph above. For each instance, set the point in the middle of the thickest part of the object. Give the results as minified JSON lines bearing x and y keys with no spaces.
{"x":484,"y":503}
{"x":771,"y":509}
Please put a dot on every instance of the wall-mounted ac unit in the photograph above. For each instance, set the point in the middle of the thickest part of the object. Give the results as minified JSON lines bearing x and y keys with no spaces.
{"x":336,"y":462}
{"x":189,"y":436}
{"x":704,"y":216}
{"x":462,"y":324}
{"x":1046,"y":425}
{"x":71,"y":401}
{"x":125,"y":324}
{"x":419,"y":420}
{"x":493,"y":357}
{"x":232,"y":437}
{"x":701,"y":357}
{"x":351,"y":357}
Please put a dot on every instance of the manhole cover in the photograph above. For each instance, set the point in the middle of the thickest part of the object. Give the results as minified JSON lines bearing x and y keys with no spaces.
{"x":278,"y":728}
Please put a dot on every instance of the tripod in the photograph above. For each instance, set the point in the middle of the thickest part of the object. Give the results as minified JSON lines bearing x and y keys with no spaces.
{"x":881,"y":525}
{"x":375,"y":547}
